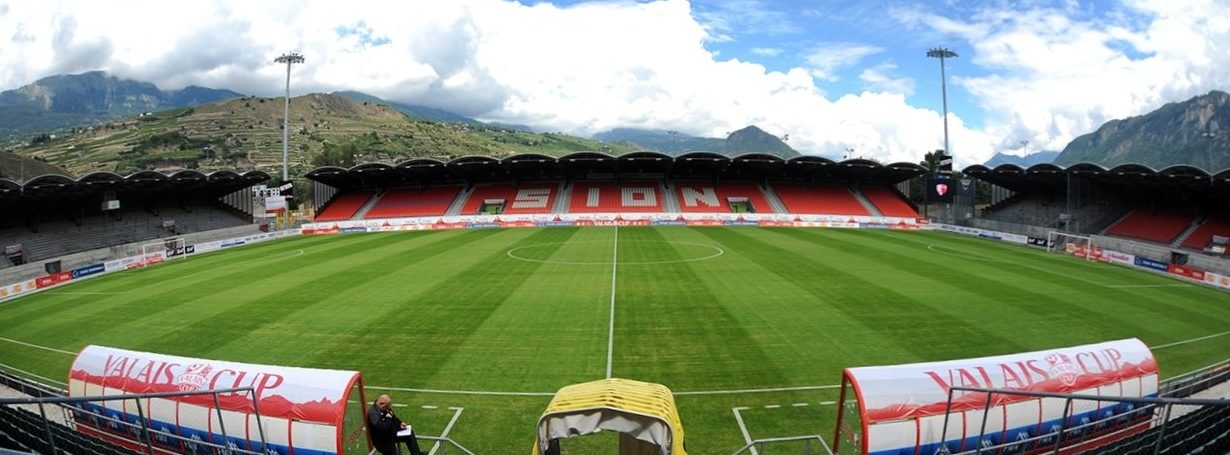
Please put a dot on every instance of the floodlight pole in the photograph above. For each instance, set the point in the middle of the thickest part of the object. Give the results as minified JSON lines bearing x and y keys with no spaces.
{"x":943,"y":53}
{"x":289,"y":59}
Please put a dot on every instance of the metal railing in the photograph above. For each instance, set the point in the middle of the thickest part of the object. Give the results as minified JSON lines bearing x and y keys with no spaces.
{"x":811,"y":444}
{"x":1151,"y":413}
{"x":125,"y":430}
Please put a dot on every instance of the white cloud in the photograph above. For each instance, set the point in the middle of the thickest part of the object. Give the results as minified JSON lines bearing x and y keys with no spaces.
{"x":1041,"y":75}
{"x":766,"y":51}
{"x":882,"y":77}
{"x":826,"y":58}
{"x":1052,"y":78}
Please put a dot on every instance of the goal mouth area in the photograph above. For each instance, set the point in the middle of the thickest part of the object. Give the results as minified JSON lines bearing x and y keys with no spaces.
{"x":1074,"y":244}
{"x":166,"y":249}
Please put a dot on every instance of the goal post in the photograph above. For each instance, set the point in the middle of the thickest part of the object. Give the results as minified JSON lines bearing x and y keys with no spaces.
{"x":153,"y":253}
{"x":1066,"y":243}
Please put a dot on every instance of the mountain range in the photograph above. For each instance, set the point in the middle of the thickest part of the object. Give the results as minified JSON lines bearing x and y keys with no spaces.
{"x":46,"y":111}
{"x":67,"y":101}
{"x":1022,"y":161}
{"x":1191,"y":132}
{"x":747,"y":140}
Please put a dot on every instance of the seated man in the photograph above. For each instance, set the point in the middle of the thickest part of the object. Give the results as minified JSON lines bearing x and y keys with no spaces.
{"x":383,"y":426}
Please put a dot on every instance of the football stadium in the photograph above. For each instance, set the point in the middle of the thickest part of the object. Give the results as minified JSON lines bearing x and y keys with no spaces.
{"x":639,"y":303}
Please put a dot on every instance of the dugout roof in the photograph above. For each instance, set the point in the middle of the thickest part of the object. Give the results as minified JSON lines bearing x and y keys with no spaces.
{"x":696,"y":165}
{"x":643,"y":410}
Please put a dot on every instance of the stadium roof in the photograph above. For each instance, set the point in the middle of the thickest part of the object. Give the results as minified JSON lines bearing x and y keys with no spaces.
{"x":60,"y":186}
{"x":602,"y":166}
{"x":1129,"y":178}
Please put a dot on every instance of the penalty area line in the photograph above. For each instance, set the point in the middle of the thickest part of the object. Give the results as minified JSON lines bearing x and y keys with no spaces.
{"x":747,"y":438}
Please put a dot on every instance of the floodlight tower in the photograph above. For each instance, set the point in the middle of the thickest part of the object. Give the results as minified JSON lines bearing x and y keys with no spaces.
{"x":289,"y":59}
{"x":943,"y":53}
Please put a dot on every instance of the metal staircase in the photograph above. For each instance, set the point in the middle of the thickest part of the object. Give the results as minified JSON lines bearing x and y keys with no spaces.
{"x":775,"y":203}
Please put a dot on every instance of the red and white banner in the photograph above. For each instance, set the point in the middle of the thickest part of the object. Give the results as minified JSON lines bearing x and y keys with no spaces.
{"x":903,"y":406}
{"x":1186,"y":272}
{"x":309,"y":403}
{"x":53,"y":279}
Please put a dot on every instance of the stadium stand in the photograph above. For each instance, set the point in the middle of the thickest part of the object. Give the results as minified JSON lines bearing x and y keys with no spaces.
{"x":1203,"y":235}
{"x":62,"y":236}
{"x":889,"y":201}
{"x":344,"y":206}
{"x":1204,"y":431}
{"x":819,"y":199}
{"x":512,"y":199}
{"x":1032,"y":210}
{"x":594,"y":197}
{"x":1161,"y":226}
{"x":24,"y":431}
{"x":404,"y":202}
{"x":725,"y":197}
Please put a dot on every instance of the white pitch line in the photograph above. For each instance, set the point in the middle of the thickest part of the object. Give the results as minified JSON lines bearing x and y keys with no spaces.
{"x":747,"y":438}
{"x":772,"y":406}
{"x":1193,"y":340}
{"x":447,"y":428}
{"x":45,"y":348}
{"x":1177,"y":285}
{"x":774,"y":389}
{"x":610,"y":334}
{"x":550,"y":394}
{"x":799,"y":405}
{"x":428,"y":406}
{"x":466,"y":392}
{"x":32,"y":374}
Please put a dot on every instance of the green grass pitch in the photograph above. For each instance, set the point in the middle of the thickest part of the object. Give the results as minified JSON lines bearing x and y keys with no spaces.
{"x":710,"y":312}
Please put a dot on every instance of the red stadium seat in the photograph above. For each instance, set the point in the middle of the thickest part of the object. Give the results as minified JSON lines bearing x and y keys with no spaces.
{"x":523,"y":199}
{"x":889,"y":202}
{"x":591,"y":197}
{"x":1160,"y":227}
{"x":344,"y":206}
{"x":820,"y":199}
{"x":407,"y":202}
{"x":1203,"y":235}
{"x":707,"y":197}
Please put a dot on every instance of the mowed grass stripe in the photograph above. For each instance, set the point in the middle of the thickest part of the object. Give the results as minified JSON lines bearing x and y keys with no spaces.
{"x":163,"y":285}
{"x":806,"y":338}
{"x":669,"y":326}
{"x":865,"y":296}
{"x":181,"y":314}
{"x":967,"y":288}
{"x":411,"y":344}
{"x":343,"y":282}
{"x":1071,"y":282}
{"x":550,"y":329}
{"x":1190,"y":308}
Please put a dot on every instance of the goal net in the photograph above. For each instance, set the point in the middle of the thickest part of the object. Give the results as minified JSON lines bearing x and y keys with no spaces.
{"x":153,"y":253}
{"x":1076,"y":245}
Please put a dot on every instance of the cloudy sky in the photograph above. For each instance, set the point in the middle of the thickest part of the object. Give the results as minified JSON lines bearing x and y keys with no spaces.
{"x":833,"y":75}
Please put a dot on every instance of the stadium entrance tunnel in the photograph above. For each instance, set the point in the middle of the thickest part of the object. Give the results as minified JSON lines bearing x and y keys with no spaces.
{"x":643,"y":413}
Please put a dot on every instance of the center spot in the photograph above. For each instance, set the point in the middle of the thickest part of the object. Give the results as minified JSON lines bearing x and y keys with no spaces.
{"x":598,"y":252}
